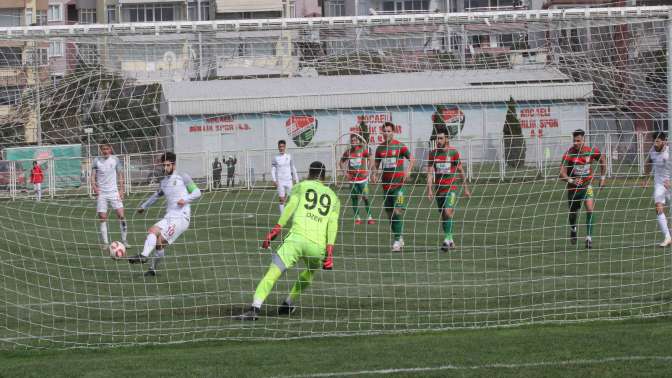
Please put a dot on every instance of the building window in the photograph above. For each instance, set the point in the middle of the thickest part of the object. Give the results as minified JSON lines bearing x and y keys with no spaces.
{"x":56,"y":78}
{"x":10,"y":95}
{"x":38,"y":57}
{"x":55,"y":13}
{"x":335,"y":8}
{"x":289,"y":8}
{"x":10,"y":17}
{"x":41,"y":17}
{"x":406,"y":6}
{"x":87,"y":16}
{"x":111,"y":14}
{"x":11,"y":56}
{"x":192,"y":9}
{"x":29,"y":16}
{"x":55,"y":48}
{"x":152,"y":12}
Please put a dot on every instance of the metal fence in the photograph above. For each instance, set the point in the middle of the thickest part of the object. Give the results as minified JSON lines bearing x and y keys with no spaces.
{"x":484,"y":159}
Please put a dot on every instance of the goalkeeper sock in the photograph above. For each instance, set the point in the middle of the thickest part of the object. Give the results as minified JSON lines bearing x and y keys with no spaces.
{"x":266,"y":285}
{"x":448,"y":228}
{"x":589,"y":223}
{"x":305,"y":278}
{"x":662,"y":223}
{"x":160,"y":253}
{"x":355,"y":205}
{"x":397,"y":225}
{"x":368,"y":207}
{"x":124,"y":229}
{"x":282,"y":208}
{"x":103,"y":233}
{"x":150,"y":243}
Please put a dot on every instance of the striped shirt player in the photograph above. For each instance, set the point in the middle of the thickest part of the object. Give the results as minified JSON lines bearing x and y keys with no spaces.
{"x":356,"y":162}
{"x":390,"y":160}
{"x":576,"y":169}
{"x":658,"y":161}
{"x":443,"y":168}
{"x":179,"y":191}
{"x":107,"y":184}
{"x":283,"y":173}
{"x":313,"y":209}
{"x":36,"y":178}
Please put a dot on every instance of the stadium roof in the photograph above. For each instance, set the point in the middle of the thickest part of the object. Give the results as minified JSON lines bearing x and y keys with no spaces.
{"x":358,"y":91}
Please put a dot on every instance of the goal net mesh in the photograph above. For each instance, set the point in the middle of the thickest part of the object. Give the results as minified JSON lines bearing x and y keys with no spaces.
{"x":508,"y":88}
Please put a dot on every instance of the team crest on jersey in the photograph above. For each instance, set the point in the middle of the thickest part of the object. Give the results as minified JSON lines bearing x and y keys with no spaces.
{"x":451,"y":116}
{"x":301,"y":128}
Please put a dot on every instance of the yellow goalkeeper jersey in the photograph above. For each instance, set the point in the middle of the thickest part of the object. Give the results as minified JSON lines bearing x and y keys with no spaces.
{"x":314,"y":209}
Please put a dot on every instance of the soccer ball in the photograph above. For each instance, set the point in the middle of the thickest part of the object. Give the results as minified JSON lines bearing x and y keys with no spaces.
{"x":117,"y":250}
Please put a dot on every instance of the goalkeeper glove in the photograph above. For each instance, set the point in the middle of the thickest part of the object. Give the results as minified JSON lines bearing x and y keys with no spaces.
{"x":328,"y":263}
{"x":271,"y":235}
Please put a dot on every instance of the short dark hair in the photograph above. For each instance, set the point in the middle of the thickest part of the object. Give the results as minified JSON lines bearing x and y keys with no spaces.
{"x":317,"y":170}
{"x":34,"y":162}
{"x":282,"y":141}
{"x":169,"y":156}
{"x":660,"y":135}
{"x":388,"y":124}
{"x":578,"y":132}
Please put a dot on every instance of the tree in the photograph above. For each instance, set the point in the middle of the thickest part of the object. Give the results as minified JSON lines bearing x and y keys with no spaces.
{"x":514,"y":142}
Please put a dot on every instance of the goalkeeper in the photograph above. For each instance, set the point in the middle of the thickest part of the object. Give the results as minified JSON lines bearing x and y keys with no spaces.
{"x":313,"y":208}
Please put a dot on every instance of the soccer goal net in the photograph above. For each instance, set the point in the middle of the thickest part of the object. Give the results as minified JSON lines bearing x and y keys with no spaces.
{"x":487,"y":101}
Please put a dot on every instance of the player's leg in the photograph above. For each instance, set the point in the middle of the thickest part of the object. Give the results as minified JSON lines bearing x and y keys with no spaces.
{"x":312,"y":256}
{"x":101,"y":209}
{"x":446,"y":204}
{"x":367,"y":204}
{"x":660,"y":194}
{"x":170,"y":229}
{"x":285,"y":258}
{"x":574,"y":203}
{"x":355,"y":191}
{"x":38,"y":191}
{"x":118,"y":207}
{"x":397,"y":223}
{"x":160,"y":253}
{"x":282,"y":195}
{"x":590,"y":206}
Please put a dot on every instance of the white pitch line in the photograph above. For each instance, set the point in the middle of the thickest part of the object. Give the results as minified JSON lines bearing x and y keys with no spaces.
{"x":487,"y":366}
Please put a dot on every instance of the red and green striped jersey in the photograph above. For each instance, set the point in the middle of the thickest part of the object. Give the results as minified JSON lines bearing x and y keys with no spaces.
{"x":578,"y":162}
{"x":445,"y":162}
{"x":357,"y":158}
{"x":390,"y":158}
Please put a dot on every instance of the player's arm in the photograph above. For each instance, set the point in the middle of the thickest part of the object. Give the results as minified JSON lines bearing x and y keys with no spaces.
{"x":193,"y":192}
{"x":430,"y":176}
{"x":94,"y":183}
{"x":286,"y":215}
{"x":411,"y":164}
{"x":331,"y":232}
{"x":274,"y":172}
{"x":647,"y":171}
{"x":295,"y":175}
{"x":370,"y":164}
{"x":463,"y":177}
{"x":603,"y":167}
{"x":564,"y":175}
{"x":121,"y":178}
{"x":150,"y":201}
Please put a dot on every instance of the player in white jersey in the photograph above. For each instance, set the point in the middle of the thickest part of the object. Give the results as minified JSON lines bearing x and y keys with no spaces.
{"x":180,"y":191}
{"x":107,"y":181}
{"x":659,"y":156}
{"x":283,"y":173}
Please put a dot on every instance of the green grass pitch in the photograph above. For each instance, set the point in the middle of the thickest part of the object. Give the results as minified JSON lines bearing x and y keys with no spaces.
{"x":513,"y":266}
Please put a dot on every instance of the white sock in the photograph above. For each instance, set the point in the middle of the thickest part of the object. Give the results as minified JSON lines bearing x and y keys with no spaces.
{"x":39,"y":194}
{"x":103,"y":233}
{"x":157,"y":259}
{"x":124,"y":229}
{"x":662,"y":223}
{"x":150,"y":243}
{"x":288,"y":301}
{"x":589,"y":238}
{"x":282,"y":208}
{"x":257,"y":303}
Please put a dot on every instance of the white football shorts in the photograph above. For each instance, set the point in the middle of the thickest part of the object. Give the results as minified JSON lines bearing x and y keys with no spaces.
{"x":112,"y":198}
{"x":172,"y":226}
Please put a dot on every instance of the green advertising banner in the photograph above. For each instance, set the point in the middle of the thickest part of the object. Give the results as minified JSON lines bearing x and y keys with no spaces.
{"x":67,"y":162}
